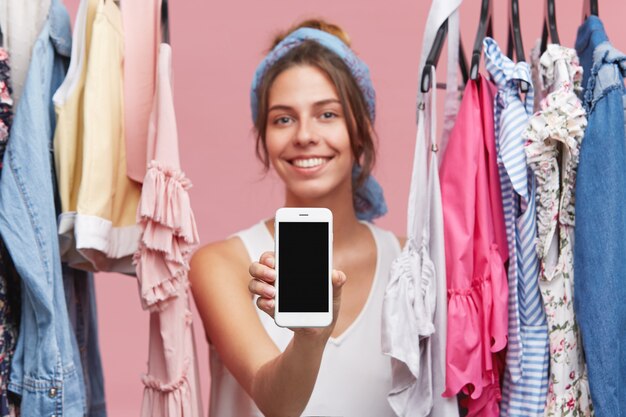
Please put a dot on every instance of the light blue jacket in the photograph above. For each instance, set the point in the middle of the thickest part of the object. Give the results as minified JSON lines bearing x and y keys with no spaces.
{"x":44,"y":370}
{"x":600,"y":249}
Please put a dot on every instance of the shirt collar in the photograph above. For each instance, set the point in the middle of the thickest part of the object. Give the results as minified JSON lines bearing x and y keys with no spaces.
{"x":60,"y":28}
{"x":590,"y":35}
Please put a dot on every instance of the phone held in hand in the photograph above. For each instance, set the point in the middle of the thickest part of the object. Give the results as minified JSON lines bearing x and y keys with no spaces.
{"x":304,"y":257}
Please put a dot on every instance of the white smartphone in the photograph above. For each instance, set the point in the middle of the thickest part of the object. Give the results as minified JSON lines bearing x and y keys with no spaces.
{"x":303,"y":239}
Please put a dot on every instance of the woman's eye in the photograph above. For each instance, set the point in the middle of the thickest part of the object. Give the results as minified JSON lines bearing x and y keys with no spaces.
{"x":282,"y":120}
{"x":328,"y":115}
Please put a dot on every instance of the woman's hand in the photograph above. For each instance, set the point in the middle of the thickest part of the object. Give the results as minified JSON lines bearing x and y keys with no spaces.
{"x":262,"y":284}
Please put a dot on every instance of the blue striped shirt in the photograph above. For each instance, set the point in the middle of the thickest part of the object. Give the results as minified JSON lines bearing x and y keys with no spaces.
{"x":525,"y":387}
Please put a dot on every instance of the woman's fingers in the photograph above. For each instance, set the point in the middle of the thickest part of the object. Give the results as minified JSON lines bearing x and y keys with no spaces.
{"x":339,"y":279}
{"x":261,"y":288}
{"x":266,"y":293}
{"x":267,"y":259}
{"x":264,"y":277}
{"x":262,"y":272}
{"x":263,"y":283}
{"x":266,"y":305}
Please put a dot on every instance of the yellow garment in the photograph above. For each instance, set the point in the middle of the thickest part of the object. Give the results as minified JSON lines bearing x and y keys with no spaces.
{"x":68,"y":158}
{"x":98,"y":222}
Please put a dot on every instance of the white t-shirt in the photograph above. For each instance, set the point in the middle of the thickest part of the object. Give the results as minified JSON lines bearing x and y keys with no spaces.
{"x":354,"y":377}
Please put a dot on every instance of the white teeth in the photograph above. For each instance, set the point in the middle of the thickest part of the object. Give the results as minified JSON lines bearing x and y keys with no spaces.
{"x":309,"y":163}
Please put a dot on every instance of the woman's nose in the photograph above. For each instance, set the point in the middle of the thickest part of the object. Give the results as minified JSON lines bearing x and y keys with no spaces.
{"x":305,"y":134}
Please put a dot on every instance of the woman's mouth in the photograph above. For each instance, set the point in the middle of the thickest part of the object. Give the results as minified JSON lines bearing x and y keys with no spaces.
{"x":309,"y":163}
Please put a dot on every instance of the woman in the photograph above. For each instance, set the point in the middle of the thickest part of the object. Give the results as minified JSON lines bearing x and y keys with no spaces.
{"x":313,"y":110}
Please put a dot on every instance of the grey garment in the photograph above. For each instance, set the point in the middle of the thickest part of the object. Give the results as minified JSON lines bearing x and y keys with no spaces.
{"x":80,"y":297}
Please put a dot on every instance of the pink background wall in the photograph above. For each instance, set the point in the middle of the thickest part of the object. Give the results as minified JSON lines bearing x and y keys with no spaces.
{"x":216,"y":47}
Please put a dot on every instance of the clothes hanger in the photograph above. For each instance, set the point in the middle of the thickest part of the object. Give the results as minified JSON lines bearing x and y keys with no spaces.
{"x":485,"y":28}
{"x":514,"y":44}
{"x":549,"y":26}
{"x":165,"y":22}
{"x":590,"y":8}
{"x":433,"y":59}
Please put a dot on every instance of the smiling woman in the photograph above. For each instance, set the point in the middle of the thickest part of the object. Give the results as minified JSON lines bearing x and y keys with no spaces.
{"x":313,"y":109}
{"x":306,"y":137}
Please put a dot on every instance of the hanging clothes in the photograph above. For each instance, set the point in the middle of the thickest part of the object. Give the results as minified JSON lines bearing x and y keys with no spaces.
{"x":141,"y":43}
{"x":552,"y":150}
{"x":414,"y":305}
{"x":100,"y":205}
{"x":6,"y":101}
{"x":416,"y":296}
{"x":476,"y":251}
{"x":162,"y":260}
{"x":600,"y":284}
{"x":78,"y":285}
{"x":9,"y":280}
{"x":43,"y":371}
{"x":440,"y":10}
{"x":10,"y":293}
{"x":68,"y":136}
{"x":525,"y":385}
{"x":21,"y":22}
{"x":80,"y":297}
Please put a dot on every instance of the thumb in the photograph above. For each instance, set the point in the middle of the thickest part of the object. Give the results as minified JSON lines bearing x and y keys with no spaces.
{"x":339,"y":279}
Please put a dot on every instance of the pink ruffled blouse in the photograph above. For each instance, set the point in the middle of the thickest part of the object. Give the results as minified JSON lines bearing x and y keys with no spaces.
{"x":476,"y":252}
{"x":162,"y":263}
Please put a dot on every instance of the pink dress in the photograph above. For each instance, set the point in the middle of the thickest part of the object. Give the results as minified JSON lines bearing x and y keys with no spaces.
{"x":162,"y":262}
{"x":476,"y":253}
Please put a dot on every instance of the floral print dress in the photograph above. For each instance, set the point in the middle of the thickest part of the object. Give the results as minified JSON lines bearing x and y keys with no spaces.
{"x":9,"y":280}
{"x":554,"y":136}
{"x":6,"y":102}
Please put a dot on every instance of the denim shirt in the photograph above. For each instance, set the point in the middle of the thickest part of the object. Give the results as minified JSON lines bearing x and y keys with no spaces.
{"x":600,"y":250}
{"x":44,"y":371}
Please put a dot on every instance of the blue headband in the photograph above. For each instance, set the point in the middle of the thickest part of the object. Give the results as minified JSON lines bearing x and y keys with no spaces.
{"x":369,"y":201}
{"x":358,"y":68}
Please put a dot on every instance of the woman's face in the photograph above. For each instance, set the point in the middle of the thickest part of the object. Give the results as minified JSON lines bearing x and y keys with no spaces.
{"x":307,"y":137}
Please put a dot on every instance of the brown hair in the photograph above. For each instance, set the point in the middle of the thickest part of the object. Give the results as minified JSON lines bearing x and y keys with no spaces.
{"x":359,"y":123}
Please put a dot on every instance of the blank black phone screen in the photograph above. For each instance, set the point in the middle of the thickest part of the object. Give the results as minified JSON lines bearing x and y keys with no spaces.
{"x":303,"y":267}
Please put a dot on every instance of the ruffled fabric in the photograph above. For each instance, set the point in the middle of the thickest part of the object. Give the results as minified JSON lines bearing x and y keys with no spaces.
{"x":485,"y":405}
{"x":408,"y":319}
{"x":179,"y":387}
{"x":413,"y":288}
{"x":171,"y":397}
{"x":558,"y":127}
{"x":476,"y":252}
{"x":477,"y":311}
{"x":169,"y":234}
{"x":172,"y":385}
{"x":554,"y":137}
{"x":570,"y":69}
{"x":414,"y":306}
{"x":408,"y":322}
